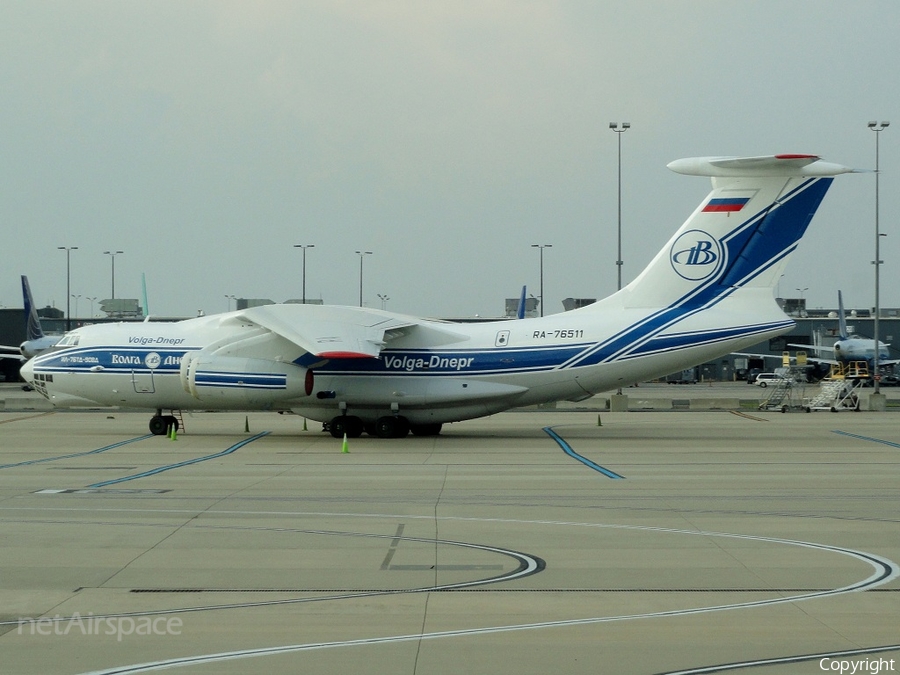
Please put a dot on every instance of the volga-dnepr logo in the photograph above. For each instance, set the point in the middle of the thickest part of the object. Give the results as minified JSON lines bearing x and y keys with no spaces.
{"x":696,"y":255}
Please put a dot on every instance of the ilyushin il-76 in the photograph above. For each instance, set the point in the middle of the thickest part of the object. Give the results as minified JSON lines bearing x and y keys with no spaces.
{"x":707,"y":293}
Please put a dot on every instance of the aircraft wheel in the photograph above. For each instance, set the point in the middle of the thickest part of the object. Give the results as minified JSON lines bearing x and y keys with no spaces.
{"x":425,"y":429}
{"x":391,"y":427}
{"x":784,"y":408}
{"x":402,"y":428}
{"x":159,"y":425}
{"x":353,"y":426}
{"x":336,"y":426}
{"x":346,"y":424}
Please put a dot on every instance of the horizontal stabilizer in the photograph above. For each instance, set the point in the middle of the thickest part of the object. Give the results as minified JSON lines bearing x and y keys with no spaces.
{"x":766,"y":165}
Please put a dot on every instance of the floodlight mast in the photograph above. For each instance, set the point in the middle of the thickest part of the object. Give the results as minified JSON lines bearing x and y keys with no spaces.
{"x":877,"y":127}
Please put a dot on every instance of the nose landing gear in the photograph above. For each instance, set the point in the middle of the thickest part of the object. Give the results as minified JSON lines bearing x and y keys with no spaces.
{"x":161,"y":424}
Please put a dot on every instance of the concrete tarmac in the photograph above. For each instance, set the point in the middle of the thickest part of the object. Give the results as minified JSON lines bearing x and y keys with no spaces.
{"x":505,"y":545}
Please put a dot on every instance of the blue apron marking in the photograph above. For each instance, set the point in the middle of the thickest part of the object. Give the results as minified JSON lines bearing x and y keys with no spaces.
{"x":584,"y":460}
{"x":77,"y":454}
{"x":167,"y":467}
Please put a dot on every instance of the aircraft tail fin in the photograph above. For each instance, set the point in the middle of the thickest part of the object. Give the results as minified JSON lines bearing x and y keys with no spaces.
{"x":520,"y":312}
{"x":842,"y":320}
{"x":144,"y":291}
{"x":740,"y":236}
{"x":33,"y":330}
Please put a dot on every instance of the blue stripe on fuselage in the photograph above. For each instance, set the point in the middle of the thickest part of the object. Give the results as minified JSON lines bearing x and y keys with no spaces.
{"x":457,"y":362}
{"x":665,"y":343}
{"x":111,"y":359}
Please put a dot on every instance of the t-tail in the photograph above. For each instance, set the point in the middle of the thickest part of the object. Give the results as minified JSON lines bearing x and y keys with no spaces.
{"x":711,"y":289}
{"x":741,"y":235}
{"x":33,"y":329}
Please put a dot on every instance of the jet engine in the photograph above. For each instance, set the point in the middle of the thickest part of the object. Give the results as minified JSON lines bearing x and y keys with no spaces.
{"x":230,"y":380}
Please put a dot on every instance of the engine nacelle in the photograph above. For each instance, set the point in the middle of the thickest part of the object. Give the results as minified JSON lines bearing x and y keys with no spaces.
{"x":225,"y":380}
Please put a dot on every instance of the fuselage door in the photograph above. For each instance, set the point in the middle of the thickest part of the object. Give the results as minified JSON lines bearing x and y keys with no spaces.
{"x":143,"y":382}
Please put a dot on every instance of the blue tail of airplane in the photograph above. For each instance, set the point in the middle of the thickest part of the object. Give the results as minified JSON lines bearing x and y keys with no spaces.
{"x":842,"y":321}
{"x":33,"y":330}
{"x":520,"y":312}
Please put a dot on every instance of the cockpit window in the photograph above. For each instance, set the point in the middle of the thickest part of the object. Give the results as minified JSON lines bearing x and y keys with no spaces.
{"x":70,"y":340}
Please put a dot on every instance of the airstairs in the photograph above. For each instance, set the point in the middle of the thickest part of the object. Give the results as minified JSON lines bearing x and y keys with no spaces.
{"x":788,"y":393}
{"x":840,"y":390}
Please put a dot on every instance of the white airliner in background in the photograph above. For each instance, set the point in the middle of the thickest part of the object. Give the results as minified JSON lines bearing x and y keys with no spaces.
{"x":36,"y":342}
{"x":849,"y":348}
{"x":707,"y":293}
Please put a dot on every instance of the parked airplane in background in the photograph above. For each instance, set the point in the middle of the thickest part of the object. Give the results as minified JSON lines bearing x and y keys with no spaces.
{"x":520,"y":310}
{"x":848,"y":349}
{"x":36,"y":342}
{"x":707,"y":293}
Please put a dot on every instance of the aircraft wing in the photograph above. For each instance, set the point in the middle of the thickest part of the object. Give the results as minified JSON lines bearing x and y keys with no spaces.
{"x":335,"y":332}
{"x":817,"y":348}
{"x":8,"y":352}
{"x":779,"y":357}
{"x":819,"y":359}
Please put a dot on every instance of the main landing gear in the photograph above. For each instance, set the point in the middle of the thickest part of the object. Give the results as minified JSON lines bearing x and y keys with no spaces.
{"x":161,"y":424}
{"x":389,"y":426}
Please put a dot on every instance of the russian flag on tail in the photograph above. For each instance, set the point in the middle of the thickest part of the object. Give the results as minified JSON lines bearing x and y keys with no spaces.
{"x":725,"y":204}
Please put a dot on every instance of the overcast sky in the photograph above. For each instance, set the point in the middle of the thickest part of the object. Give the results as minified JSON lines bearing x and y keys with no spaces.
{"x":206,"y":139}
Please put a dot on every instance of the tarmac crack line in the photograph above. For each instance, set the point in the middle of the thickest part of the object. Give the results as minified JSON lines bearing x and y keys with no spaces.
{"x":437,"y":521}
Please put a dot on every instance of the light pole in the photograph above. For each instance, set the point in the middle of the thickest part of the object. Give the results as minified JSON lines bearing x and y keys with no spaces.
{"x":802,"y":308}
{"x":113,"y":255}
{"x":68,"y":250}
{"x":362,"y":255}
{"x":229,"y":298}
{"x":91,"y":300}
{"x":76,"y":296}
{"x":541,"y":247}
{"x":877,"y":127}
{"x":619,"y":129}
{"x":304,"y":247}
{"x":384,"y":299}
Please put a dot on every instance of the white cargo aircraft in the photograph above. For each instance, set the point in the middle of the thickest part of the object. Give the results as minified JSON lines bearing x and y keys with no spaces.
{"x":707,"y":293}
